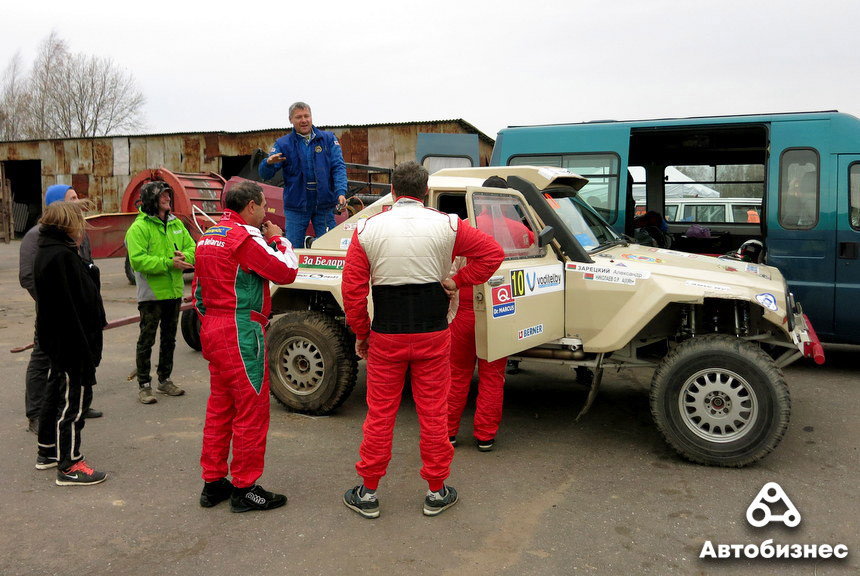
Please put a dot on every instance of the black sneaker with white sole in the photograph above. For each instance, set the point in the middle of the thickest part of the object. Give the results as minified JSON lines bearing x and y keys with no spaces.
{"x":255,"y":498}
{"x":486,"y":445}
{"x":79,"y":474}
{"x":363,"y":501}
{"x":45,"y":462}
{"x":437,"y":502}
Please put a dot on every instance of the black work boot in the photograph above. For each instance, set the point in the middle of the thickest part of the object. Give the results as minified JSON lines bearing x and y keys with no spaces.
{"x":255,"y":498}
{"x":215,"y":492}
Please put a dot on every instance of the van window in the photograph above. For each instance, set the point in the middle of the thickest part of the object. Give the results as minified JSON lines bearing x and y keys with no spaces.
{"x":601,"y":170}
{"x":505,"y":218}
{"x":798,"y":189}
{"x":854,"y":200}
{"x":705,"y":213}
{"x":717,"y":181}
{"x":748,"y":213}
{"x":436,"y":163}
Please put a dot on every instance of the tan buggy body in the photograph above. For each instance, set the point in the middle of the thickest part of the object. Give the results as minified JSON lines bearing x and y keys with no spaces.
{"x":715,"y":331}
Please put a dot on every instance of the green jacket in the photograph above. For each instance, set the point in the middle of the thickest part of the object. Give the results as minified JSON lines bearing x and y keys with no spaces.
{"x":151,"y":243}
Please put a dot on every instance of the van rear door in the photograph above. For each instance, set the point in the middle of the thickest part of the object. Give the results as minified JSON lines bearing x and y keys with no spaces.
{"x":847,"y":312}
{"x":801,"y":209}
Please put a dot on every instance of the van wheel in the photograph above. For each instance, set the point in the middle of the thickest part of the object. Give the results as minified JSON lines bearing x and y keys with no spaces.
{"x":312,"y":368}
{"x":720,"y":401}
{"x":190,"y":325}
{"x":129,"y":271}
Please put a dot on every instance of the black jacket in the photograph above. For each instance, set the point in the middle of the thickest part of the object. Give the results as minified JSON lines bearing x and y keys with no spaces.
{"x":70,"y":316}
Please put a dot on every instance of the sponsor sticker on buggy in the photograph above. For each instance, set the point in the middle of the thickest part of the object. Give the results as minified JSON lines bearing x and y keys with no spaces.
{"x":758,"y":271}
{"x":674,"y":253}
{"x":501,"y":310}
{"x":344,"y":243}
{"x":550,"y":172}
{"x":640,"y":258}
{"x":606,"y":272}
{"x":317,"y":276}
{"x":529,"y":332}
{"x":767,"y":300}
{"x":502,"y":294}
{"x":708,"y":286}
{"x":537,"y":280}
{"x":326,"y":262}
{"x":350,"y":225}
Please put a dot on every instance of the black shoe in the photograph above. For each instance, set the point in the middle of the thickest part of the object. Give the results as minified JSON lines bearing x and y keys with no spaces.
{"x":486,"y":445}
{"x":453,"y":441}
{"x":436,"y":502}
{"x":93,"y":413}
{"x":255,"y":498}
{"x":80,"y":474}
{"x":45,"y":462}
{"x":33,"y":426}
{"x":215,"y":492}
{"x":363,"y":501}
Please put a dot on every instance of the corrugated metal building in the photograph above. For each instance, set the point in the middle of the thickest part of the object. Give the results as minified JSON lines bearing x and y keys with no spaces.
{"x":100,"y":168}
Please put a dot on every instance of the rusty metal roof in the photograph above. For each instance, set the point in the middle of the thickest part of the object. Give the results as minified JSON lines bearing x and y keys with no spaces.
{"x":471,"y":129}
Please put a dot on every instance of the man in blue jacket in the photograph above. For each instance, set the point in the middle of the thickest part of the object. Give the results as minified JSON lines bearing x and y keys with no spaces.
{"x":314,"y":175}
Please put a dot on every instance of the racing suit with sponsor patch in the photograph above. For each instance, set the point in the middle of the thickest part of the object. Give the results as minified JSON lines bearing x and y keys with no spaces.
{"x":234,"y":265}
{"x":405,"y":253}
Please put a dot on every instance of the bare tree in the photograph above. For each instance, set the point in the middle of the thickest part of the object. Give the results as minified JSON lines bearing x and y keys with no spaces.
{"x":68,"y":95}
{"x":13,"y":101}
{"x":46,"y":82}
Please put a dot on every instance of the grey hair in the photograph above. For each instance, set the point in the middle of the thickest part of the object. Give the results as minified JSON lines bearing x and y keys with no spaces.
{"x":298,"y":106}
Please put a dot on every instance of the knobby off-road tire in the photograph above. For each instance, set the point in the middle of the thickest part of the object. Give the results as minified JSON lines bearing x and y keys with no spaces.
{"x":720,"y":401}
{"x":189,"y":322}
{"x":312,"y":366}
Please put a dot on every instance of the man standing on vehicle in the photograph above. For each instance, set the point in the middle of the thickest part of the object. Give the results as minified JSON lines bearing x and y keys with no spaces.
{"x":159,"y":249}
{"x":314,"y":175}
{"x":235,"y":264}
{"x":405,"y":254}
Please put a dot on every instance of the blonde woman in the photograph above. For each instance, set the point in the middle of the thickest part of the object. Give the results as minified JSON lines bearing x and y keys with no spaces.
{"x":69,"y":323}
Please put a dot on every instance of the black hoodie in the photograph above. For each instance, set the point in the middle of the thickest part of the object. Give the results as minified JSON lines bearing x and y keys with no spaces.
{"x":70,"y":315}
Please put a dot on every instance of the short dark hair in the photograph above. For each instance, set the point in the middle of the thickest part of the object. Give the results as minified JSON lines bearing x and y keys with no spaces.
{"x":494,"y":182}
{"x":410,"y":179}
{"x":238,"y":196}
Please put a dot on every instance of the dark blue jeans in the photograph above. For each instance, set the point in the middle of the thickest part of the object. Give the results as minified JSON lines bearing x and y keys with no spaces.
{"x":296,"y":224}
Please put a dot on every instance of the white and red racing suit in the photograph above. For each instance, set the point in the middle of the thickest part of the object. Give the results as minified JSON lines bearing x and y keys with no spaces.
{"x":233,"y":267}
{"x":405,"y":253}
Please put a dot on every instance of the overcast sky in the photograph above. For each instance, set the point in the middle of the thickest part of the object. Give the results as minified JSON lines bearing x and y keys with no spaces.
{"x":237,"y":65}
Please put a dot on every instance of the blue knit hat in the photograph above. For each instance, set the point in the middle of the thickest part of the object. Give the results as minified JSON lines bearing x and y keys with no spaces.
{"x":56,"y":193}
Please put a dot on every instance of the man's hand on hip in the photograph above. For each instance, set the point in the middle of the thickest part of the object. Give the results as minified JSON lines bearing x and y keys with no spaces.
{"x":361,"y":348}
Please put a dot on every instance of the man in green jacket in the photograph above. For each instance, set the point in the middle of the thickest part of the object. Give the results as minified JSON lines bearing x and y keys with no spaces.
{"x":159,"y":249}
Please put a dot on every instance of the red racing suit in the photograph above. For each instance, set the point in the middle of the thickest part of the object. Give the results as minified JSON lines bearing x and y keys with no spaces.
{"x":233,"y":267}
{"x":405,"y":253}
{"x":511,"y":234}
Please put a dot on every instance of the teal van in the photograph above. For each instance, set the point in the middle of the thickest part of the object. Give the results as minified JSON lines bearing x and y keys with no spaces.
{"x":803,"y":169}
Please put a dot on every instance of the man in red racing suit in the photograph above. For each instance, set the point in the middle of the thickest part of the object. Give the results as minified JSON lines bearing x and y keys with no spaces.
{"x":406,"y":254}
{"x":513,"y":236}
{"x":231,"y":295}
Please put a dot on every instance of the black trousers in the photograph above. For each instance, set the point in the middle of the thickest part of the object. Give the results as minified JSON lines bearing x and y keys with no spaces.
{"x":152,"y":314}
{"x":39,"y":378}
{"x":61,"y":419}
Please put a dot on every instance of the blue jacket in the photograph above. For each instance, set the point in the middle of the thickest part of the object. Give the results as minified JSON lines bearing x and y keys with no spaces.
{"x":328,"y":167}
